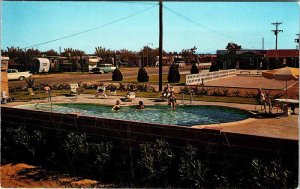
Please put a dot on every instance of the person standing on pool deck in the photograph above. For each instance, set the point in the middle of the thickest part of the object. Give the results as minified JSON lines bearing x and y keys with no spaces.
{"x":117,"y":105}
{"x":48,"y":92}
{"x":172,"y":100}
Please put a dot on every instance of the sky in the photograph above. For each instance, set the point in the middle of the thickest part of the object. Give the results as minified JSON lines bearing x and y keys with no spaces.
{"x":131,"y":25}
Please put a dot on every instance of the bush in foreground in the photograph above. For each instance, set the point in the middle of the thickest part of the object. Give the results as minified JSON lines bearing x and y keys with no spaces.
{"x":117,"y":75}
{"x":174,"y":75}
{"x":143,"y":75}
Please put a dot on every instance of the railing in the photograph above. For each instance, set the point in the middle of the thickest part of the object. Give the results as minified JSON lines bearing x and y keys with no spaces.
{"x":194,"y":79}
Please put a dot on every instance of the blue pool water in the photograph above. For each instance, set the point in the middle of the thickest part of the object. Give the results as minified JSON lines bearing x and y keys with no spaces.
{"x":187,"y":115}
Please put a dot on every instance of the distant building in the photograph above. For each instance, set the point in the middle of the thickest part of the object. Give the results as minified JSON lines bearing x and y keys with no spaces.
{"x":257,"y":59}
{"x":282,"y":58}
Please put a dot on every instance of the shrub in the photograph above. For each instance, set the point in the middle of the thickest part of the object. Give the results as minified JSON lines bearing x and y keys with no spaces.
{"x":122,"y":86}
{"x":132,"y":87}
{"x":268,"y":174}
{"x":111,"y":87}
{"x":117,"y":75}
{"x":174,"y":75}
{"x":155,"y":162}
{"x":194,"y":69}
{"x":184,"y":90}
{"x":76,"y":148}
{"x":145,"y":88}
{"x":225,"y":92}
{"x":203,"y":91}
{"x":142,"y":75}
{"x":236,"y":93}
{"x":216,"y":92}
{"x":101,"y":155}
{"x":192,"y":172}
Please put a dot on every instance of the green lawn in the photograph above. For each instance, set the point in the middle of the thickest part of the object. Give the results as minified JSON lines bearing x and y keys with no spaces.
{"x":153,"y":79}
{"x":24,"y":96}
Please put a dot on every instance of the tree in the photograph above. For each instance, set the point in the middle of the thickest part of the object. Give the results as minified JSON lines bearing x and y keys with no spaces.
{"x":117,"y":75}
{"x":174,"y":75}
{"x":229,"y":59}
{"x":51,"y":52}
{"x":126,"y":55}
{"x":69,"y":52}
{"x":194,"y":69}
{"x":22,"y":57}
{"x":143,"y":75}
{"x":105,"y":54}
{"x":233,"y":47}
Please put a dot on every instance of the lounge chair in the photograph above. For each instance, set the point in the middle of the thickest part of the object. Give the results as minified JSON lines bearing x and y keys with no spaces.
{"x":277,"y":105}
{"x":112,"y":92}
{"x":74,"y":88}
{"x":101,"y":90}
{"x":129,"y":97}
{"x":4,"y":97}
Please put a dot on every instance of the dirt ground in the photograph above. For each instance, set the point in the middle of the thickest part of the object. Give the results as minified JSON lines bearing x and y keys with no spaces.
{"x":54,"y":78}
{"x":27,"y":176}
{"x":251,"y":82}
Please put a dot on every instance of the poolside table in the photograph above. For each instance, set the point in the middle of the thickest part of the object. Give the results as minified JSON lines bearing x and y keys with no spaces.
{"x":288,"y":101}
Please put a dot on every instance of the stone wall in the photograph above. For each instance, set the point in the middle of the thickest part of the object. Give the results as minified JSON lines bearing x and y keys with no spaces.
{"x":132,"y":132}
{"x":4,"y":80}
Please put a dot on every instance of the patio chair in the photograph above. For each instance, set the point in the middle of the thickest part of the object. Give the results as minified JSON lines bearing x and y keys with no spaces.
{"x":74,"y":88}
{"x":277,"y":105}
{"x":112,"y":92}
{"x":101,"y":90}
{"x":4,"y":97}
{"x":129,"y":97}
{"x":259,"y":102}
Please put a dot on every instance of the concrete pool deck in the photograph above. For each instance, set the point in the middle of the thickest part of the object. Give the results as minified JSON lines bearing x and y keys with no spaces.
{"x":280,"y":127}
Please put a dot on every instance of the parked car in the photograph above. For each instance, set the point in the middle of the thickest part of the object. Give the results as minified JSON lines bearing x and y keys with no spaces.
{"x":97,"y":70}
{"x":13,"y":74}
{"x":180,"y":64}
{"x":107,"y":67}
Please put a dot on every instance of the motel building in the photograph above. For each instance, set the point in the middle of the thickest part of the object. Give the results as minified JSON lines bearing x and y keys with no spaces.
{"x":258,"y":59}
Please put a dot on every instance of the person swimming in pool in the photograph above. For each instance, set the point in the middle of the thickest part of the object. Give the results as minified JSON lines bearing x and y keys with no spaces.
{"x":117,"y":105}
{"x":141,"y":105}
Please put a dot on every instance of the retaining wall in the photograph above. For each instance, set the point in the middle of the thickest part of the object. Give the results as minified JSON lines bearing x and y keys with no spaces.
{"x":210,"y":140}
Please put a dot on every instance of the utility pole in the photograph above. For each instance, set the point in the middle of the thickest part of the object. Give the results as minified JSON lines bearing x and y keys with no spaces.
{"x":160,"y":43}
{"x":276,"y":31}
{"x":263,"y":43}
{"x":297,"y":41}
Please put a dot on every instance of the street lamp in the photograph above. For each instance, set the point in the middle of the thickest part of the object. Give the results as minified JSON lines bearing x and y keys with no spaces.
{"x":148,"y":52}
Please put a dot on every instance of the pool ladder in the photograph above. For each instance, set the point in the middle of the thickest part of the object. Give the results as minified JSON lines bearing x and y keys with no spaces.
{"x":191,"y":97}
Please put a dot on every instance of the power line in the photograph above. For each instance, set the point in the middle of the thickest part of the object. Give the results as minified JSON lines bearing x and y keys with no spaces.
{"x":132,"y":2}
{"x":197,"y":23}
{"x":88,"y":30}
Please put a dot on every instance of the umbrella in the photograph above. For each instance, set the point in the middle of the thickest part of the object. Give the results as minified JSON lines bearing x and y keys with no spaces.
{"x":283,"y":74}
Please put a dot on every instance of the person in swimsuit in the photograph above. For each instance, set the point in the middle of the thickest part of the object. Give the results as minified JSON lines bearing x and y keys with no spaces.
{"x":117,"y":105}
{"x":141,"y":105}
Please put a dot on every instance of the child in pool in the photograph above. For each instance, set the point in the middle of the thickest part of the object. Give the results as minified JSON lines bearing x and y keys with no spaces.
{"x":117,"y":105}
{"x":141,"y":105}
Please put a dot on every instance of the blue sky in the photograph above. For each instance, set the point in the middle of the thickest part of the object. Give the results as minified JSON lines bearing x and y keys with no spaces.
{"x":208,"y":26}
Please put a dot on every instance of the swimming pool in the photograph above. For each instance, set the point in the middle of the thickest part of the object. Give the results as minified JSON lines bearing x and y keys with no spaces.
{"x":187,"y":115}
